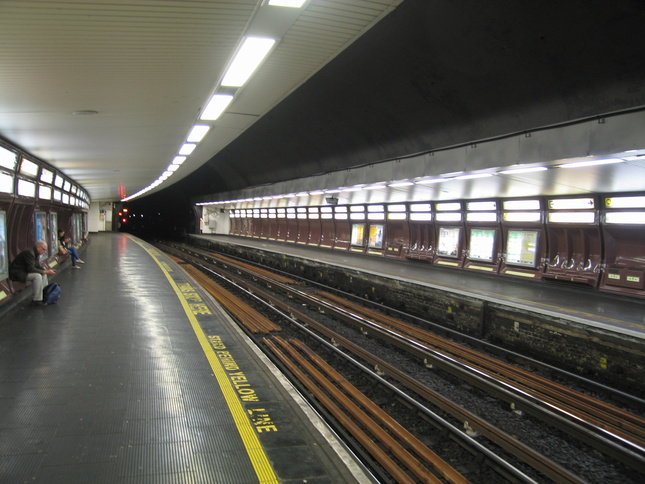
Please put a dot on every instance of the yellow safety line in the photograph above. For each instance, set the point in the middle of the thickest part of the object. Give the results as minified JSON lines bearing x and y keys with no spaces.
{"x":254,"y":449}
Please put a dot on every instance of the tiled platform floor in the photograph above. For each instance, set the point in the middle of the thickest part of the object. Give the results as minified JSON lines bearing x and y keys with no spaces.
{"x":113,"y":384}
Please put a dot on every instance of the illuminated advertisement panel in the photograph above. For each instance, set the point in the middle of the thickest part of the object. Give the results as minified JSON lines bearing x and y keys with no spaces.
{"x":41,"y":226}
{"x":448,"y":243}
{"x":521,"y":247}
{"x":77,"y":227}
{"x":53,"y":235}
{"x":3,"y":245}
{"x":358,"y":234}
{"x":482,"y":243}
{"x":375,"y":240}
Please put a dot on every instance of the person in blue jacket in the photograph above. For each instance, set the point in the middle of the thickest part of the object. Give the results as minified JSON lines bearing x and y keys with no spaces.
{"x":26,"y":268}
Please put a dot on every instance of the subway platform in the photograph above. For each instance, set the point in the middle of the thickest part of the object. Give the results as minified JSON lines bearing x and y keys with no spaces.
{"x":137,"y":376}
{"x":584,"y":306}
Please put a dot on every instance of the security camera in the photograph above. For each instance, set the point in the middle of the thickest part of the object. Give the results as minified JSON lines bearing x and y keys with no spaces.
{"x":331,"y":200}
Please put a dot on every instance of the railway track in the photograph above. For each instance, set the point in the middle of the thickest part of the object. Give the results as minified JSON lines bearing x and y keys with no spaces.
{"x":614,"y":432}
{"x":624,"y":424}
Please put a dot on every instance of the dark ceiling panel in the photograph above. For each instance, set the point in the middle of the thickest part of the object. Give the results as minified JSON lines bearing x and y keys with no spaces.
{"x":434,"y":74}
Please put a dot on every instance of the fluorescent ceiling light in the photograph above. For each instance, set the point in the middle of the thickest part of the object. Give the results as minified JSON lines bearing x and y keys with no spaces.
{"x":401,"y":184}
{"x":173,"y":167}
{"x":187,"y":148}
{"x":216,"y":106}
{"x":521,"y":205}
{"x":572,"y":217}
{"x":420,"y":207}
{"x":469,"y":177}
{"x":449,"y":217}
{"x":512,"y":171}
{"x":178,"y":160}
{"x":481,"y":217}
{"x":287,"y":3}
{"x":448,"y":206}
{"x":247,"y":60}
{"x":480,"y":206}
{"x":396,"y":208}
{"x":571,"y":203}
{"x":578,"y":164}
{"x":427,"y":181}
{"x":197,"y":133}
{"x":374,"y":187}
{"x":522,"y":216}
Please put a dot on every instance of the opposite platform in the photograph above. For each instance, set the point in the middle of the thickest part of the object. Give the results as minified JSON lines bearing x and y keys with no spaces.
{"x":137,"y":375}
{"x":582,"y":305}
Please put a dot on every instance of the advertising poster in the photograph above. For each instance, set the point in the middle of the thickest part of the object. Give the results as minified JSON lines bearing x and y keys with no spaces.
{"x":482,"y":243}
{"x":41,"y":226}
{"x":53,"y":236}
{"x":375,"y":240}
{"x":358,"y":234}
{"x":3,"y":244}
{"x":521,"y":247}
{"x":448,"y":243}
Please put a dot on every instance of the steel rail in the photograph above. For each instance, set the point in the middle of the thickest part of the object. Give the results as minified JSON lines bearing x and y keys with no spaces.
{"x":388,"y":422}
{"x":625,"y":397}
{"x":512,"y":473}
{"x":511,"y":445}
{"x":609,"y":417}
{"x":348,"y":422}
{"x":607,"y":442}
{"x":252,"y":319}
{"x":514,"y":447}
{"x":247,"y":268}
{"x":604,"y":441}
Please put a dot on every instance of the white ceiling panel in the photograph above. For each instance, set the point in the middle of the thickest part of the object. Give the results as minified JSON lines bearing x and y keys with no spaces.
{"x":147,"y":67}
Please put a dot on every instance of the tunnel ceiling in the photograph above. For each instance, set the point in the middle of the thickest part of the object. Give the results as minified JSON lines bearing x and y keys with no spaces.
{"x":435,"y":74}
{"x":351,"y":82}
{"x":107,"y":91}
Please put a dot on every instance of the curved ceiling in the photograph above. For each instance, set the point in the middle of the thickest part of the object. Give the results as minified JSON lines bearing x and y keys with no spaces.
{"x":349,"y":83}
{"x":146,"y":69}
{"x":437,"y":74}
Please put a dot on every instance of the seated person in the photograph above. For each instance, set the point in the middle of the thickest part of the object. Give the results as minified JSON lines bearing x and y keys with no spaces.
{"x":71,"y":250}
{"x":25,"y":268}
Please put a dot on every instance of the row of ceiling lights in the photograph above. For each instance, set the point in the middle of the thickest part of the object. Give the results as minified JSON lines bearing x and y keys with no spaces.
{"x":247,"y":59}
{"x":513,"y":170}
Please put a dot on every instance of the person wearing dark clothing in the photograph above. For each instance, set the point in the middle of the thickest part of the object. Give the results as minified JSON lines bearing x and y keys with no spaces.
{"x":71,"y":250}
{"x":26,"y":268}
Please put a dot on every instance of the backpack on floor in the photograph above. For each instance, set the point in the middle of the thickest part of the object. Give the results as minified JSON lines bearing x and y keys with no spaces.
{"x":51,"y":293}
